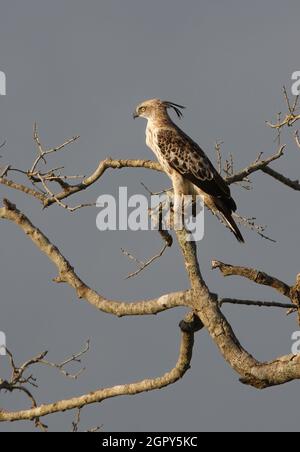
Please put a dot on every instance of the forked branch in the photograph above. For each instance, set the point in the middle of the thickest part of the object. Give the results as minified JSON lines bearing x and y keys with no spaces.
{"x":183,"y":364}
{"x":67,"y":274}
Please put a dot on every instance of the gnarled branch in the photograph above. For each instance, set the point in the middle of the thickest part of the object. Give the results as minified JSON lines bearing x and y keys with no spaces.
{"x":205,"y":305}
{"x":183,"y":364}
{"x":254,"y":275}
{"x":68,"y":275}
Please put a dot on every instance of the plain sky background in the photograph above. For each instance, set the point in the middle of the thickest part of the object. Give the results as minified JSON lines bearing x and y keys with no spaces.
{"x":80,"y":68}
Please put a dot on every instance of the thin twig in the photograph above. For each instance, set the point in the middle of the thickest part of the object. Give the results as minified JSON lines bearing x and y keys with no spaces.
{"x":218,"y":149}
{"x":73,"y":359}
{"x":261,"y":304}
{"x":44,"y":152}
{"x":297,"y":138}
{"x":251,"y":224}
{"x":143,"y":265}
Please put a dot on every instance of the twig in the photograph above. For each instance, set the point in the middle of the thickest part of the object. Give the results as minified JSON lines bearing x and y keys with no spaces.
{"x":162,"y":192}
{"x":95,"y":429}
{"x":297,"y":138}
{"x":256,"y":166}
{"x":73,"y":359}
{"x":3,"y":144}
{"x":4,"y":170}
{"x":287,"y":100}
{"x":167,"y":238}
{"x":289,"y":121}
{"x":262,"y":304}
{"x":76,"y":422}
{"x":218,"y":146}
{"x":250,"y":223}
{"x":144,"y":265}
{"x":43,"y":152}
{"x":295,"y":106}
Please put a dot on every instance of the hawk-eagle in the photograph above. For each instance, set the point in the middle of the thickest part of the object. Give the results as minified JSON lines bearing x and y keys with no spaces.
{"x":187,"y":165}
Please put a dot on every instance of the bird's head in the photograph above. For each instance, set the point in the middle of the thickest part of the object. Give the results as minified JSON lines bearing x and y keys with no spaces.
{"x":150,"y":109}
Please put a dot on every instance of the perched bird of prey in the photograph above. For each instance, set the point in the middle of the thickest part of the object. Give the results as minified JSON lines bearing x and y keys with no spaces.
{"x":187,"y":165}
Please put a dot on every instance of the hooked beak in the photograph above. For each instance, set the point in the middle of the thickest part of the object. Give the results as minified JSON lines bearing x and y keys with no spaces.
{"x":135,"y":115}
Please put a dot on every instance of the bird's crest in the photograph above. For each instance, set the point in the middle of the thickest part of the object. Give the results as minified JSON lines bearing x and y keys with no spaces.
{"x":177,"y":108}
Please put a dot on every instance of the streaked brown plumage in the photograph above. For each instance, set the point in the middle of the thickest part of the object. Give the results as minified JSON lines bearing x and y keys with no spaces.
{"x":189,"y":168}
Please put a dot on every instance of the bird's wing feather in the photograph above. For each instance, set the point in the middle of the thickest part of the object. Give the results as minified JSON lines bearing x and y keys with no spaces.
{"x":186,"y":157}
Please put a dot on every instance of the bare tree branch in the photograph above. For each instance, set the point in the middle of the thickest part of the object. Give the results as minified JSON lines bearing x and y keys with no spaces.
{"x":205,"y":304}
{"x":167,"y":238}
{"x":144,"y":265}
{"x":101,"y":169}
{"x":20,"y":187}
{"x":289,"y":121}
{"x":260,"y":304}
{"x":218,"y":150}
{"x":297,"y":138}
{"x":72,"y":359}
{"x":293,"y":293}
{"x":69,"y":190}
{"x":19,"y":380}
{"x":256,"y":166}
{"x":294,"y":184}
{"x":68,"y":275}
{"x":42,"y":152}
{"x":291,"y":117}
{"x":254,"y":275}
{"x":183,"y":364}
{"x":251,"y":224}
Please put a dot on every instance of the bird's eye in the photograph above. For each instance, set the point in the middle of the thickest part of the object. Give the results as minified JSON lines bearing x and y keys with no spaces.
{"x":142,"y":109}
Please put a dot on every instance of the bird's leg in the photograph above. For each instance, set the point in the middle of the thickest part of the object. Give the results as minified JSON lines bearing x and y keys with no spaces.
{"x":179,"y":186}
{"x":179,"y":212}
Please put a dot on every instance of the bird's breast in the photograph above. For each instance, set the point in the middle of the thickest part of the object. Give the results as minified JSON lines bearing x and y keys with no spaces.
{"x":151,"y":138}
{"x":152,"y":143}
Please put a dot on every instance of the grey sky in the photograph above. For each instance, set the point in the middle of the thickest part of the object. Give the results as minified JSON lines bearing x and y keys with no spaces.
{"x":79,"y":68}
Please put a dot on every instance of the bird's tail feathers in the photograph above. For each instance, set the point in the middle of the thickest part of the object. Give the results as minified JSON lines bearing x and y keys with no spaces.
{"x":227,"y":217}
